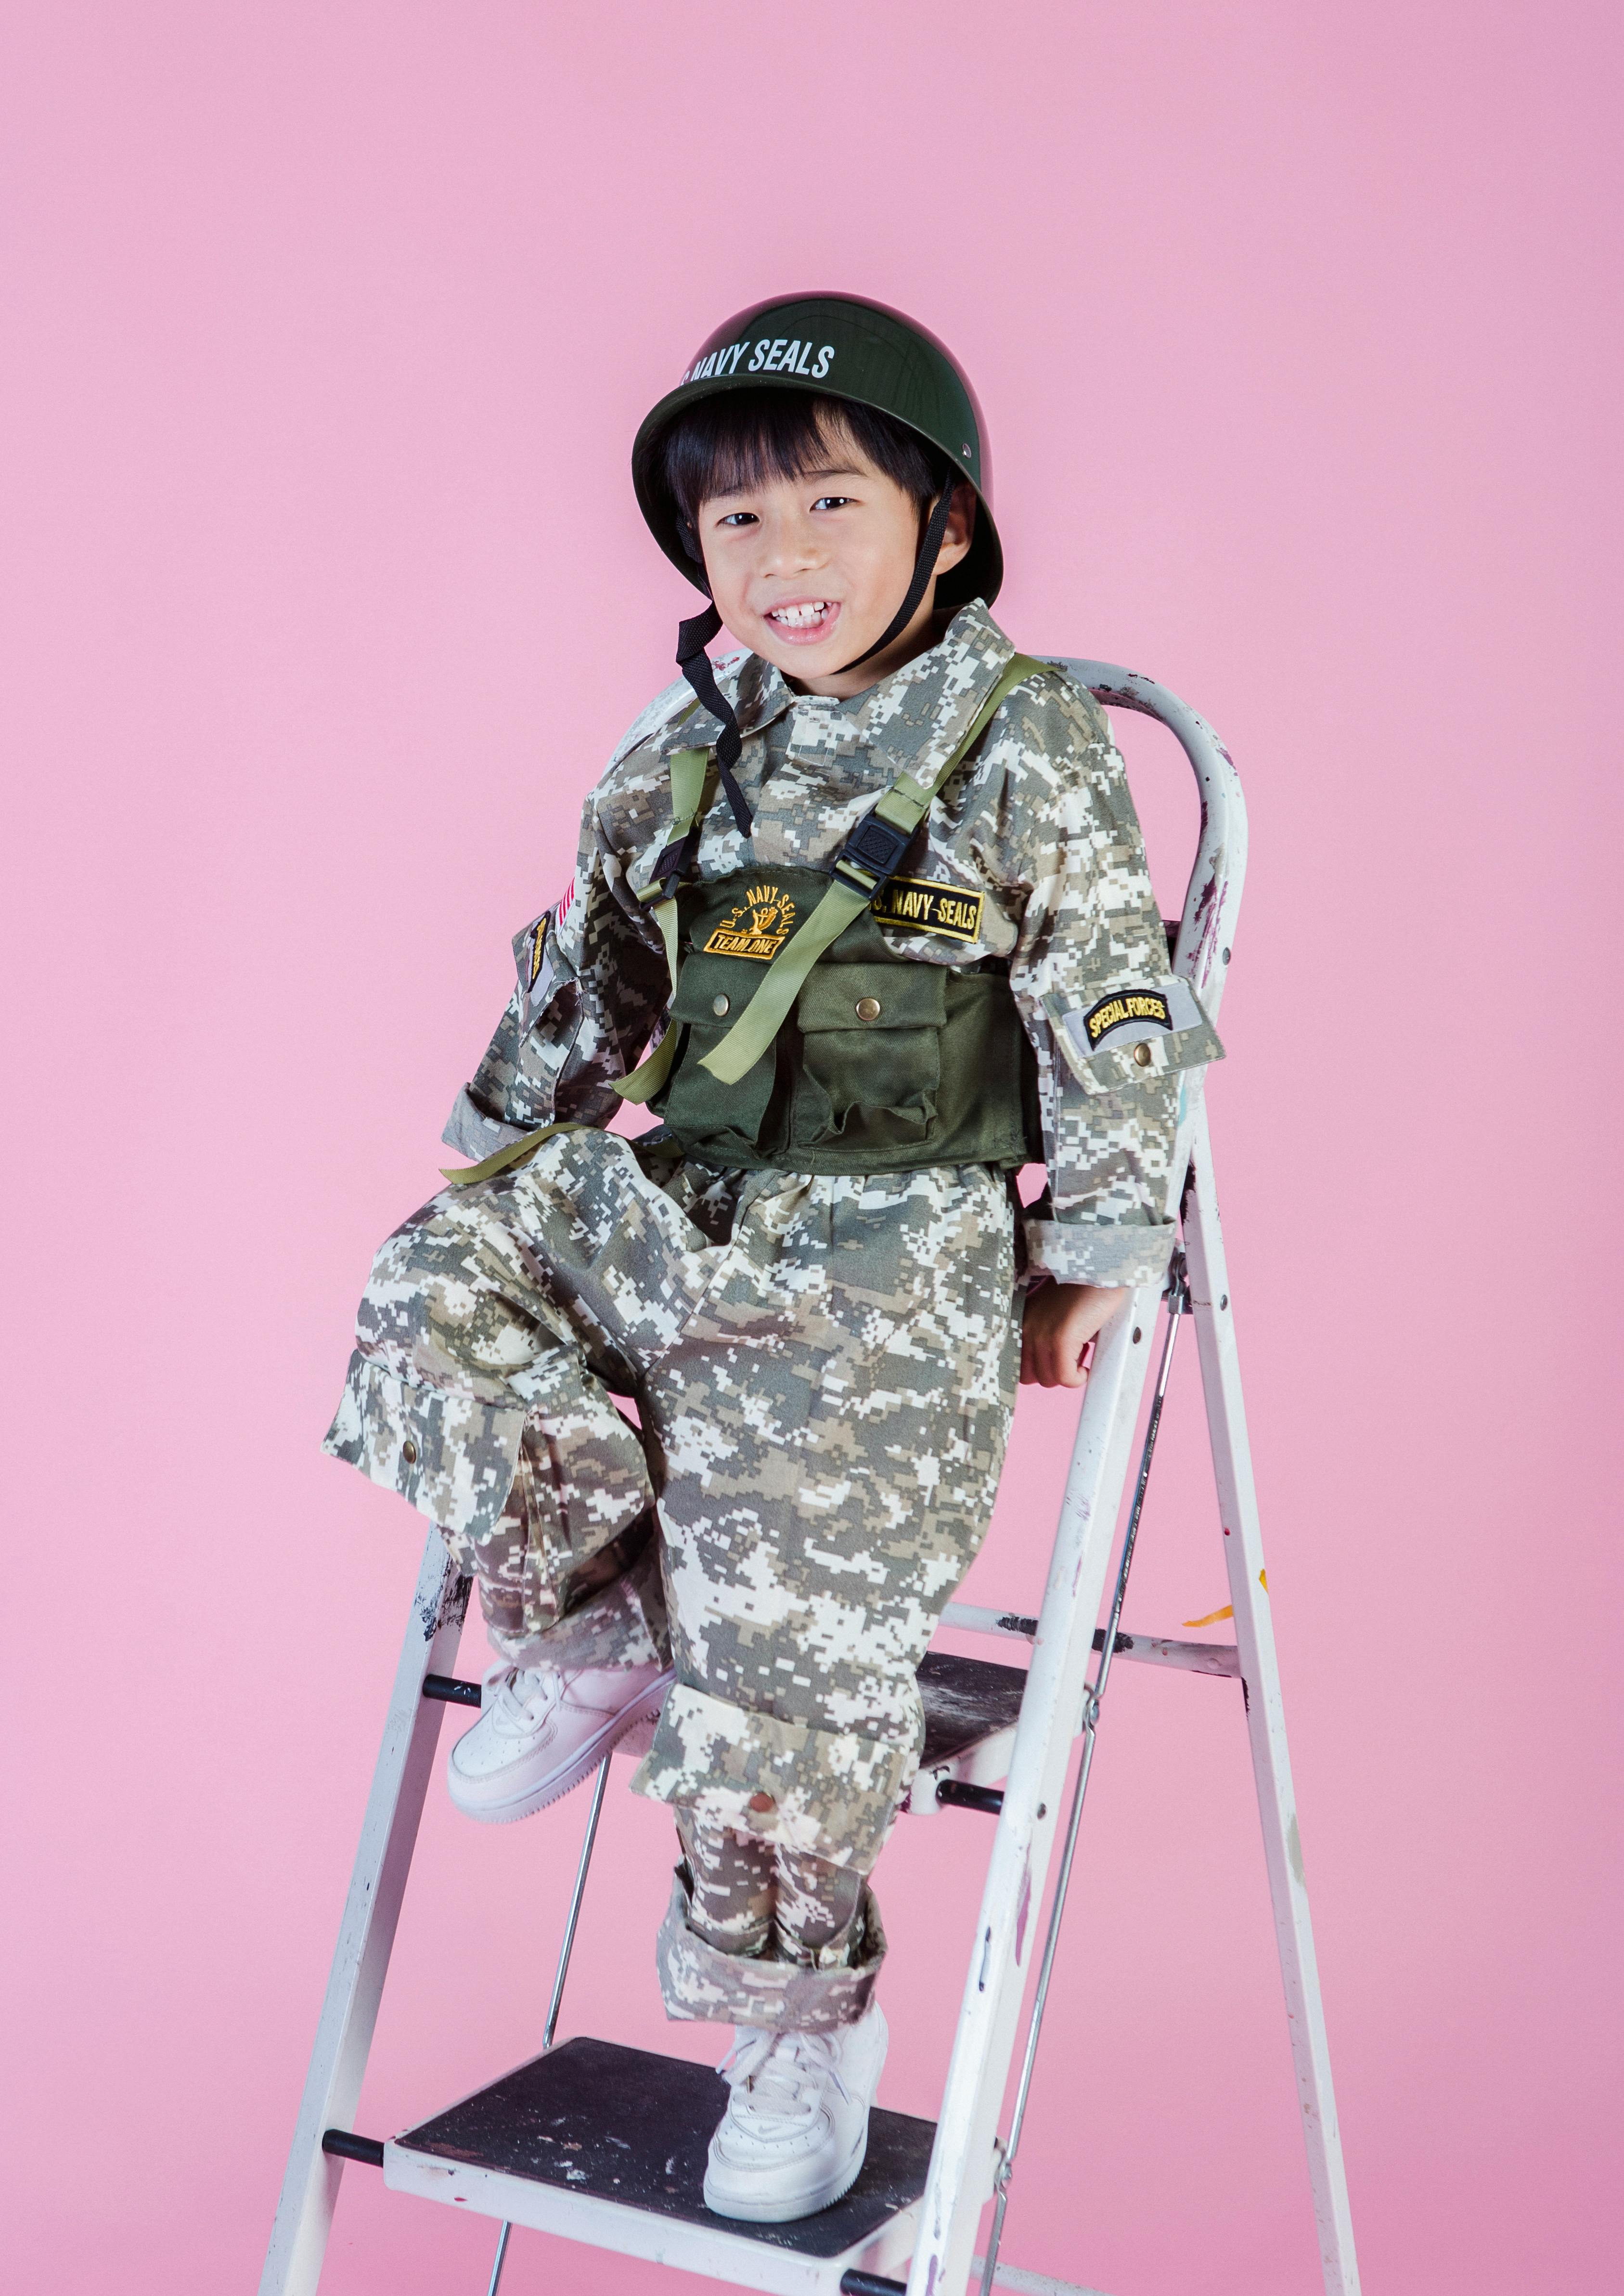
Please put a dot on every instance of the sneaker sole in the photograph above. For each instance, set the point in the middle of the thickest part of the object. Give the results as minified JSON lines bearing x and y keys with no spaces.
{"x":557,"y":1783}
{"x":764,"y":2211}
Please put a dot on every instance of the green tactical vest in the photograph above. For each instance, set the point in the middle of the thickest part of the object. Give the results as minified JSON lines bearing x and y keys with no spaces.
{"x":799,"y":1038}
{"x":886,"y":1062}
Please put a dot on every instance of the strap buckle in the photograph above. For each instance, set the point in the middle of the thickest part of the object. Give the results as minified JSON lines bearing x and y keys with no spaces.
{"x":873,"y":851}
{"x":669,"y":862}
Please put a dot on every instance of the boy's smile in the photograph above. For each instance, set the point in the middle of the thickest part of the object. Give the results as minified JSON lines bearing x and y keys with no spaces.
{"x":808,"y":571}
{"x":805,"y":620}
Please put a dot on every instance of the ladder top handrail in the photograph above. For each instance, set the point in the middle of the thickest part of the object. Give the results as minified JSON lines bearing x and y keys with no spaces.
{"x":1212,"y":901}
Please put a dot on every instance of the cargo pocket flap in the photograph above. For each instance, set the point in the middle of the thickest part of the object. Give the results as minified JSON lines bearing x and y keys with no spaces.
{"x":1137,"y":1030}
{"x":873,"y":996}
{"x":712,"y":991}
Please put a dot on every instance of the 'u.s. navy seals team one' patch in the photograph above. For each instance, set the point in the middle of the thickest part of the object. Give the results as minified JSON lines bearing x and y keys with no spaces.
{"x":757,"y":928}
{"x":1116,"y":1012}
{"x":918,"y":906}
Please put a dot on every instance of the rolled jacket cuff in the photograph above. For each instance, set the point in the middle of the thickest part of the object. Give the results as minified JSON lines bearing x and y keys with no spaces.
{"x":829,"y":1792}
{"x":453,"y":1456}
{"x":699,"y":1981}
{"x":1098,"y":1251}
{"x":475,"y":1135}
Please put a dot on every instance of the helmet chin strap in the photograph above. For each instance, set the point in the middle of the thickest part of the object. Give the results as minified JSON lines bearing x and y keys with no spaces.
{"x":925,"y":566}
{"x":692,"y":637}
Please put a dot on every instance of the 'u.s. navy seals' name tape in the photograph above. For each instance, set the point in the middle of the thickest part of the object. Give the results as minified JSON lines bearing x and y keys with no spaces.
{"x":918,"y":906}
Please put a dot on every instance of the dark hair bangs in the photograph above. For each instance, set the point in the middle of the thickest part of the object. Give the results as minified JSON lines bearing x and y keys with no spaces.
{"x":741,"y":438}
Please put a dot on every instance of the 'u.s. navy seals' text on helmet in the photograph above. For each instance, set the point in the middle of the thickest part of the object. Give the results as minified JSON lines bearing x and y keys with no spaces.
{"x":843,"y":347}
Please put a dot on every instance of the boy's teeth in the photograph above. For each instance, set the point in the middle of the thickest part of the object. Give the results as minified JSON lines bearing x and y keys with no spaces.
{"x":800,"y":615}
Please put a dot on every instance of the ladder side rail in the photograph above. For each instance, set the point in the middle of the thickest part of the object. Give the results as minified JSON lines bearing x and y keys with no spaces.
{"x":963,"y":2159}
{"x":961,"y":2162}
{"x":1266,"y":1720}
{"x":366,"y":1934}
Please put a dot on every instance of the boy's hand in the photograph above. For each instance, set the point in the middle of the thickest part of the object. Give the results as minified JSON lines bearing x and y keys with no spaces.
{"x":1058,"y":1324}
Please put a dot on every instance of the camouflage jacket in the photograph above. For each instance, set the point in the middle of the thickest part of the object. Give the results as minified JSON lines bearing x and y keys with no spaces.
{"x":1032,"y":852}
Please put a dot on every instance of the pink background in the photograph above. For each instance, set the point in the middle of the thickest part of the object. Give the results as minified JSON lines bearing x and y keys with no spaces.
{"x":329,"y":329}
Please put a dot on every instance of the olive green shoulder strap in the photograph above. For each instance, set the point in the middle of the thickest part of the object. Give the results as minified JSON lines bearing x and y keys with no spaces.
{"x":690,"y":778}
{"x":690,"y":783}
{"x":506,"y":1159}
{"x":872,"y":853}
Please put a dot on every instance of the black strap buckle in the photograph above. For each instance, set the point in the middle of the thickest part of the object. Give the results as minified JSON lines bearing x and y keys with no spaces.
{"x":671,"y":860}
{"x":875,"y":847}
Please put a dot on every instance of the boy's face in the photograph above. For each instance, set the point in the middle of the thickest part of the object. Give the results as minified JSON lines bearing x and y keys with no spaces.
{"x":808,"y":571}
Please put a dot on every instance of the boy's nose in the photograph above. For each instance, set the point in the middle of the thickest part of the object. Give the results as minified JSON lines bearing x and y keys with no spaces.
{"x":791,"y":546}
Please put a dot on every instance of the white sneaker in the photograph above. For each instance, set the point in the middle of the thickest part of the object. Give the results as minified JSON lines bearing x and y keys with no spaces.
{"x":796,"y":2129}
{"x":541,"y":1730}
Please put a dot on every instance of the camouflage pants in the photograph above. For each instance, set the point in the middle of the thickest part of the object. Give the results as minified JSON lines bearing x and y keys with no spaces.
{"x":824,"y":1369}
{"x":765,"y":1936}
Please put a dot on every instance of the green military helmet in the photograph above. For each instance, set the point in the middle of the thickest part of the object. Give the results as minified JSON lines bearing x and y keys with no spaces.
{"x":842,"y":346}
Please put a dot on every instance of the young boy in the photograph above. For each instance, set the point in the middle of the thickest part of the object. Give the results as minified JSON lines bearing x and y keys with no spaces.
{"x":876,"y":895}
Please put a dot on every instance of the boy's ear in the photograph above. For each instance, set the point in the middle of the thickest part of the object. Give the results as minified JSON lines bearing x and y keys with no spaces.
{"x":961,"y":527}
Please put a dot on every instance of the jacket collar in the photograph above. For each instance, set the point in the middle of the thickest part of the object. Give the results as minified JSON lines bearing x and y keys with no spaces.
{"x":917,"y":715}
{"x":757,"y":692}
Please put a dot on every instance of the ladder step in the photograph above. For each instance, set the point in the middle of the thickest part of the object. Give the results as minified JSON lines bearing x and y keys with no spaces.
{"x":971,"y":1705}
{"x":966,"y":1701}
{"x":607,"y":2145}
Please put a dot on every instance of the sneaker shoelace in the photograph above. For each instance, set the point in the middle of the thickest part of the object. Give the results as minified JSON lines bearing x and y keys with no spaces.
{"x":777,"y":2080}
{"x":523,"y":1698}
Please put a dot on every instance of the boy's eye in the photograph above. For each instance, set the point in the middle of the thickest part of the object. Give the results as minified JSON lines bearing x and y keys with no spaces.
{"x":739,"y":518}
{"x":832,"y":502}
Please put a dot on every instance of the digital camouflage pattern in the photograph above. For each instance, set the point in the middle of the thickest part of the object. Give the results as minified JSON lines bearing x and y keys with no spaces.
{"x":758,"y":1934}
{"x":785,"y":1993}
{"x":1035,"y":840}
{"x":826,"y":1384}
{"x":823,"y":1367}
{"x":751,"y":1898}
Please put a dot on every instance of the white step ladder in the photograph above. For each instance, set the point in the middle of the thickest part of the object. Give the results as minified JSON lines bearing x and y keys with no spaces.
{"x":625,"y":2173}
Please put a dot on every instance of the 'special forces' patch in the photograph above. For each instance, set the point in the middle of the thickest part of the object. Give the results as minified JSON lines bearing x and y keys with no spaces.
{"x":1129,"y":1005}
{"x":757,"y":928}
{"x":918,"y":906}
{"x":538,"y":948}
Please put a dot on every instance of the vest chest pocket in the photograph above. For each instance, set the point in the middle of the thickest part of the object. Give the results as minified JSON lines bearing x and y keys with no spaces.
{"x":711,"y":994}
{"x":871,"y":1051}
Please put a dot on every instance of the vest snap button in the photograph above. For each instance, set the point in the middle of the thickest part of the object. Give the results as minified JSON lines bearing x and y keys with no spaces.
{"x":719,"y":1005}
{"x":1141,"y":1055}
{"x":868,"y":1008}
{"x":761,"y":1803}
{"x":408,"y":1452}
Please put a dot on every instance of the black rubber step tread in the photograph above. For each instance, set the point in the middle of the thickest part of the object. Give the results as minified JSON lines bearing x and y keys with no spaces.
{"x":965,"y":1701}
{"x":625,"y":2125}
